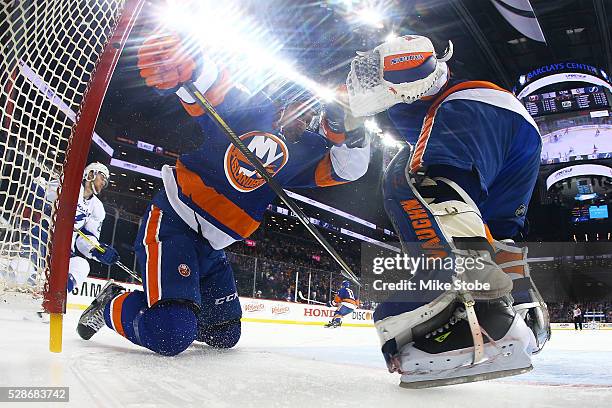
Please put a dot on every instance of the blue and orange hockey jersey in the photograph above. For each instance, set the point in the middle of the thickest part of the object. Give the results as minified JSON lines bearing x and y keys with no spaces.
{"x":346,"y":297}
{"x":217,"y":192}
{"x":479,"y":127}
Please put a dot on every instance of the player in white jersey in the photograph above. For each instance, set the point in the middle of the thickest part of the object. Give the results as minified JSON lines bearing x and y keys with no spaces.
{"x":88,"y":220}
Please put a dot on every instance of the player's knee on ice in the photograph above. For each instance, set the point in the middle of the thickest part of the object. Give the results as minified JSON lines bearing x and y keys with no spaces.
{"x":224,"y":335}
{"x":169,"y":328}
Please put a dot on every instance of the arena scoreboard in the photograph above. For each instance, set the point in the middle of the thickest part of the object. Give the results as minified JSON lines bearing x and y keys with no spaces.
{"x":590,"y":97}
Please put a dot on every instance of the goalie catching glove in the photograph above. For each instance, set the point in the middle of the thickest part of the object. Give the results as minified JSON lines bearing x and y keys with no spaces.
{"x":401,"y":70}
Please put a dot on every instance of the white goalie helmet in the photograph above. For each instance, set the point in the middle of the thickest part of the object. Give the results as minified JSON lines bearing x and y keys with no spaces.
{"x":96,"y":167}
{"x":401,"y":70}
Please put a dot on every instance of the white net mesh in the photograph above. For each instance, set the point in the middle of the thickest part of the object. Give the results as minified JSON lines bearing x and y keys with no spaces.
{"x":48,"y":54}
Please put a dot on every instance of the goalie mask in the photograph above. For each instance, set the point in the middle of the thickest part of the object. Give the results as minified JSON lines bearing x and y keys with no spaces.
{"x":91,"y":172}
{"x":401,"y":70}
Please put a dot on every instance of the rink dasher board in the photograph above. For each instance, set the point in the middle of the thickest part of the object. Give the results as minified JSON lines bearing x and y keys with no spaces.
{"x":253,"y":309}
{"x":275,"y":311}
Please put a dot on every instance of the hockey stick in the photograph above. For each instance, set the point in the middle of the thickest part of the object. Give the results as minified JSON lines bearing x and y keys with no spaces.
{"x":118,"y":263}
{"x":309,"y":300}
{"x":237,"y":142}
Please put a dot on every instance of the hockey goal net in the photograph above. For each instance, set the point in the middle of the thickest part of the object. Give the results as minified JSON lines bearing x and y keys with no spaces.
{"x":56,"y":60}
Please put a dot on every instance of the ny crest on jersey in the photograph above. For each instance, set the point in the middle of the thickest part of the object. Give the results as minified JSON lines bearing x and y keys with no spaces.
{"x":184,"y":270}
{"x":269,"y":148}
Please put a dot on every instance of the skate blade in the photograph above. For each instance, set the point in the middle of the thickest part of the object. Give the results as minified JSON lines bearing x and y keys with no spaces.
{"x":95,"y":302}
{"x":508,"y":356}
{"x":466,"y":379}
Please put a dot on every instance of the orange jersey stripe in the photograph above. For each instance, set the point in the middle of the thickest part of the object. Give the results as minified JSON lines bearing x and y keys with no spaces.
{"x":323,"y":173}
{"x":116,"y":307}
{"x":489,"y":235}
{"x":417,"y":158}
{"x":215,"y":204}
{"x":153,"y":250}
{"x":355,"y":302}
{"x":398,"y":62}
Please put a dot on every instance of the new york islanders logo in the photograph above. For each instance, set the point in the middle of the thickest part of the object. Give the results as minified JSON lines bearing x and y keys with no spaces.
{"x":184,"y":270}
{"x":271,"y":151}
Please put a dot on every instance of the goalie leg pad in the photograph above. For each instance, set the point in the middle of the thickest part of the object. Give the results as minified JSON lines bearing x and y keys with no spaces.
{"x":438,"y":218}
{"x":528,"y":301}
{"x":443,"y":219}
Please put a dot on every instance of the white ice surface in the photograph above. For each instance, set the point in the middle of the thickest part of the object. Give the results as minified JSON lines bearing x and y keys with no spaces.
{"x":580,"y":140}
{"x":285,"y":366}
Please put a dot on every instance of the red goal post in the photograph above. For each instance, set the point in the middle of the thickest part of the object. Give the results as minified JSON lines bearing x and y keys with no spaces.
{"x":57,"y":60}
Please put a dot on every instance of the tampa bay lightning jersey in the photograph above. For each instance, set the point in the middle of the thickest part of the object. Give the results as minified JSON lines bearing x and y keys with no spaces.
{"x":217,"y":192}
{"x":88,"y":217}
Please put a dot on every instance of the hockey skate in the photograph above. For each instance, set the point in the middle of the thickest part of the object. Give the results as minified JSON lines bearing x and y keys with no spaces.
{"x":497,"y":344}
{"x":92,"y":319}
{"x":333,"y":323}
{"x":454,"y":338}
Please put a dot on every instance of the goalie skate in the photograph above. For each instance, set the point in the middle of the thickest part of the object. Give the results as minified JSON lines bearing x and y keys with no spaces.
{"x":451,"y":355}
{"x":92,"y":319}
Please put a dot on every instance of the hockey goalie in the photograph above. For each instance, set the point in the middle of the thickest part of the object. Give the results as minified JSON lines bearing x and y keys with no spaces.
{"x":461,"y":193}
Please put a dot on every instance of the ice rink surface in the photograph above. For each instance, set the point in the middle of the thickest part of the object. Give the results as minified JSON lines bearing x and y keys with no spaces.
{"x":579,"y":140}
{"x":278,"y":365}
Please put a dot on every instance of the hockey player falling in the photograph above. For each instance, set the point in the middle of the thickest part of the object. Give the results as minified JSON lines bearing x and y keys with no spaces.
{"x":345,"y":302}
{"x":212,"y":198}
{"x":461,"y":193}
{"x":88,"y":221}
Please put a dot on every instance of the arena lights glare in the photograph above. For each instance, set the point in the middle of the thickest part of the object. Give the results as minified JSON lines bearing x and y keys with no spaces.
{"x":390,"y":36}
{"x":234,"y":38}
{"x":386,"y":139}
{"x":370,"y":16}
{"x":372,"y":127}
{"x":390,"y":141}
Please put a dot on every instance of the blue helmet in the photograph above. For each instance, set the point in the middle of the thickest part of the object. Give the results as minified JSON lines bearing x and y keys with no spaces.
{"x":346,"y":284}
